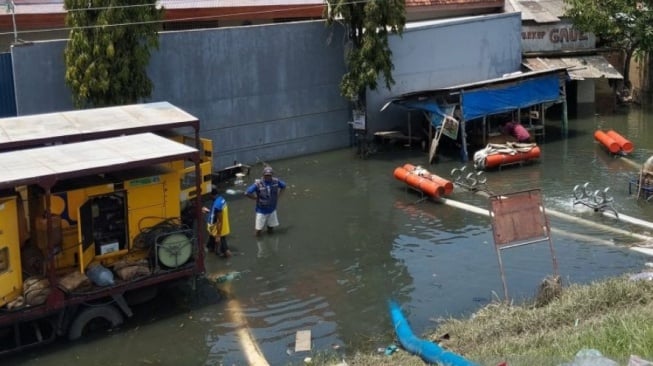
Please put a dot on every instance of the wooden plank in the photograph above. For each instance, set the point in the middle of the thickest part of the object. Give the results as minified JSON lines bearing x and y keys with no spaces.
{"x":303,"y":340}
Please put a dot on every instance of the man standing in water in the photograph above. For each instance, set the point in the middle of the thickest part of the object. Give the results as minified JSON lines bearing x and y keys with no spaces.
{"x":218,"y":225}
{"x":266,"y":191}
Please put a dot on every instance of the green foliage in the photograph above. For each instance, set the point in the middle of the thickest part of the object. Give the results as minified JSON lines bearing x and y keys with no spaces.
{"x":624,"y":24}
{"x":109,"y":50}
{"x":369,"y":23}
{"x":614,"y":316}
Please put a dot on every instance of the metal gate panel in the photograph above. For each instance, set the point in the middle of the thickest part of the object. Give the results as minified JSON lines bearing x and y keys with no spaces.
{"x":518,"y":219}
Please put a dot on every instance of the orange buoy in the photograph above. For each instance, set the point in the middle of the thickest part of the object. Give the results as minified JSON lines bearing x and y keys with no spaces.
{"x":607,"y":141}
{"x":496,"y":160}
{"x":625,"y":145}
{"x":446,"y":184}
{"x":422,"y":184}
{"x":401,"y":174}
{"x":425,"y":185}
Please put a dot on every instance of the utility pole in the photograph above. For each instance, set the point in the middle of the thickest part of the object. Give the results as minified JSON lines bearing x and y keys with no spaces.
{"x":11,"y":6}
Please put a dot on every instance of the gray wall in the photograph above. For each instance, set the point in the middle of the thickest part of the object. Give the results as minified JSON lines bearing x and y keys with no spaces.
{"x":444,"y":53}
{"x":272,"y":91}
{"x":39,"y":78}
{"x":262,"y":92}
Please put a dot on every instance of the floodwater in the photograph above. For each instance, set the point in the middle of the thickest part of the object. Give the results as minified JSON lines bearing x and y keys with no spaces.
{"x":352,"y":237}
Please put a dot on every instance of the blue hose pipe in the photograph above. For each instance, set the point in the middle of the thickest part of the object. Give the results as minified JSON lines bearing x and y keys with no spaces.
{"x":428,"y":351}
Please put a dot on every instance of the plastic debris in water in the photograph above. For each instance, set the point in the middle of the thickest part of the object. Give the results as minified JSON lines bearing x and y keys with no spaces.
{"x":228,"y":277}
{"x":390,"y":350}
{"x":642,"y":276}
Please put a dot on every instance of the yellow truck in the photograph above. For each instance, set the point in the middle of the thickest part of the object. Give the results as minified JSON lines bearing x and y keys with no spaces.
{"x":95,"y":205}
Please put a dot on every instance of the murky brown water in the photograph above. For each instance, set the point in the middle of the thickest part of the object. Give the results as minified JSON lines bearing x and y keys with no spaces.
{"x":352,"y":237}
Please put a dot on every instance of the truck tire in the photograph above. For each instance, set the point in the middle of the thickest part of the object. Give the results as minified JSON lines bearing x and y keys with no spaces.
{"x":106,"y":312}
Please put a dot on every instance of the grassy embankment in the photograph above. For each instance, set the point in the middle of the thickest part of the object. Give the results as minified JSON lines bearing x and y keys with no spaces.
{"x":614,"y":316}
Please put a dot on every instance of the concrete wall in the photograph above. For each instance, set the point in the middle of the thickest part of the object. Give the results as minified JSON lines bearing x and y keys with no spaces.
{"x":262,"y":92}
{"x":39,"y":78}
{"x":438,"y":54}
{"x":268,"y":92}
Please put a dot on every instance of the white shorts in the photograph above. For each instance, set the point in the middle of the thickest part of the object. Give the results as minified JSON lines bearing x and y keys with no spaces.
{"x":269,"y":220}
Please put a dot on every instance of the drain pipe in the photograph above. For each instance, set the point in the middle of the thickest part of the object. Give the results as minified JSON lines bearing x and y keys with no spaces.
{"x":601,"y":201}
{"x":475,"y":182}
{"x":480,"y":211}
{"x":428,"y":351}
{"x":628,"y":219}
{"x":631,"y":162}
{"x":578,"y":220}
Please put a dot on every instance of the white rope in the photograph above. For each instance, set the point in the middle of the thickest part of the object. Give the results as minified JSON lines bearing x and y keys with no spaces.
{"x":509,"y":148}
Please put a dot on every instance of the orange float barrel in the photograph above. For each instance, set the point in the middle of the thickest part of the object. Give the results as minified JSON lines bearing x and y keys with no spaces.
{"x":425,"y":185}
{"x":422,"y":184}
{"x":623,"y":143}
{"x":495,"y":160}
{"x":446,"y":184}
{"x":401,"y":174}
{"x":607,"y":141}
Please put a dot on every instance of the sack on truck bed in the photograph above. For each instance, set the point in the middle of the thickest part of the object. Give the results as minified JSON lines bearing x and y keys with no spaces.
{"x":36,"y":290}
{"x":128,"y":270}
{"x":75,"y":281}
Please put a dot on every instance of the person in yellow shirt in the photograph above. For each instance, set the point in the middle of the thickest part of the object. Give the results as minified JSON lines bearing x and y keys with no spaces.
{"x":218,"y":225}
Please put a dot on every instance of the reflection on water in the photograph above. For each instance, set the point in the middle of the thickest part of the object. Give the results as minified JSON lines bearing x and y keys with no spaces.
{"x":352,"y":237}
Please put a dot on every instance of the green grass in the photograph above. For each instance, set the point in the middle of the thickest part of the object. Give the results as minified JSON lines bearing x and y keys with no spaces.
{"x":614,"y":316}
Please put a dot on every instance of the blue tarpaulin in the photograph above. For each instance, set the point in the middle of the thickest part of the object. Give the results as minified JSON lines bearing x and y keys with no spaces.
{"x":483,"y":102}
{"x":436,"y":111}
{"x":493,"y":99}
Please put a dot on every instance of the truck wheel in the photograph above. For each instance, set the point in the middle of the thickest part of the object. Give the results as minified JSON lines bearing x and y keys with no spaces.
{"x":103,"y":313}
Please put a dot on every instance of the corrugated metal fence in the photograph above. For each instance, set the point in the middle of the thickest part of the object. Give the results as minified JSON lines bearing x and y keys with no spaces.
{"x":7,"y":95}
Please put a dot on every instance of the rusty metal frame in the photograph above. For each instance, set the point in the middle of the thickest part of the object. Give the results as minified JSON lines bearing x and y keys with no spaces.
{"x":518,"y":219}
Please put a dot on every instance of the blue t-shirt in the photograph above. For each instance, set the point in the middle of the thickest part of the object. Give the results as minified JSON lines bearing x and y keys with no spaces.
{"x":267,"y":194}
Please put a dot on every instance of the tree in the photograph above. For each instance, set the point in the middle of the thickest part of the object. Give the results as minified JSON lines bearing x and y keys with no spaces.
{"x":109,"y":50}
{"x":368,"y":24}
{"x":623,"y":24}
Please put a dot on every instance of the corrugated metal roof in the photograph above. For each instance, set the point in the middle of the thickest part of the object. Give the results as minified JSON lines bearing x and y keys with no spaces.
{"x":89,"y":157}
{"x":578,"y":68}
{"x":418,"y":3}
{"x":56,"y":6}
{"x":539,"y":11}
{"x":98,"y":122}
{"x":508,"y":78}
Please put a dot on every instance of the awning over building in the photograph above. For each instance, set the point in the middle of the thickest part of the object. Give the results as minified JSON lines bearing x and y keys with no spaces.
{"x":476,"y":100}
{"x":578,"y":68}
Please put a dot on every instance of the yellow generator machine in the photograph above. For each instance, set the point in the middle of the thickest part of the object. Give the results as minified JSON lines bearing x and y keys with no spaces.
{"x":88,"y":226}
{"x":105,"y":218}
